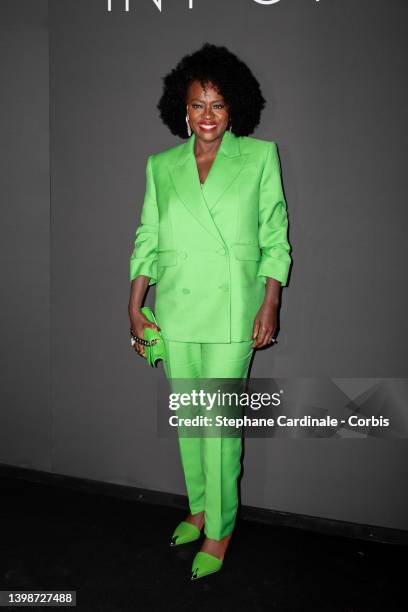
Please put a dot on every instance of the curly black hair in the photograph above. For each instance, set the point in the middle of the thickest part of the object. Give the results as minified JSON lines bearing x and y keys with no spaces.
{"x":231,"y":76}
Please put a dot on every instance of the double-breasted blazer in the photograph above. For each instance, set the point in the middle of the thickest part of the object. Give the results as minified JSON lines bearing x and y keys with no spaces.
{"x":209,"y":249}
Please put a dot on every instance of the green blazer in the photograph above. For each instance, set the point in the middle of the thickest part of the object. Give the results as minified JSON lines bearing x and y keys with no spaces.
{"x":209,"y":249}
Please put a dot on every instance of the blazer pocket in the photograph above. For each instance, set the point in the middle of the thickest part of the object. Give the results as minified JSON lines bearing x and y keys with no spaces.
{"x":166,"y":258}
{"x":247,"y":251}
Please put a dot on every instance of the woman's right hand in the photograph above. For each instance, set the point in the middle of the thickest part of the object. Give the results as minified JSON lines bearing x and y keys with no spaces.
{"x":137,"y":324}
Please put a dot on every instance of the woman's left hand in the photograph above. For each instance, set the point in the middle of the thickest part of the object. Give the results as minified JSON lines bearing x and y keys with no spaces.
{"x":265,"y":325}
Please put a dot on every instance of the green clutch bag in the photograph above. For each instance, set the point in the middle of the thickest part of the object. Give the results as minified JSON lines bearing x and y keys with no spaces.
{"x":157,"y":350}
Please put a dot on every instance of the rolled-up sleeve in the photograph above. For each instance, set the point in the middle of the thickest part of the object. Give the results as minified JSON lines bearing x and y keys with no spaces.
{"x":143,"y":261}
{"x":273,"y":222}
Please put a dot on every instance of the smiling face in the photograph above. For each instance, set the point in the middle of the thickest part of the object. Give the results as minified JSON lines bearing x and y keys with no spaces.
{"x":208,"y":113}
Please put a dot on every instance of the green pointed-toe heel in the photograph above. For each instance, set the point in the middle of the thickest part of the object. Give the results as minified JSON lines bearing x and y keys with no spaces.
{"x":185,"y":532}
{"x":205,"y":564}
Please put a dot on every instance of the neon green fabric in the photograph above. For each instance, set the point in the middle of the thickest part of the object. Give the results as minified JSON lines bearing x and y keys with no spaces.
{"x":184,"y":533}
{"x":210,"y":249}
{"x":157,"y":351}
{"x":211,"y":464}
{"x":204,"y":564}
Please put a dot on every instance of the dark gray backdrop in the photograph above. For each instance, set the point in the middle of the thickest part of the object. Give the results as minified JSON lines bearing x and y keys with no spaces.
{"x":334,"y":75}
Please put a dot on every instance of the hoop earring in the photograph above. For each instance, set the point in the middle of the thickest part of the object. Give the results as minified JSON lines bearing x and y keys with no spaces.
{"x":230,"y":127}
{"x":188,"y":126}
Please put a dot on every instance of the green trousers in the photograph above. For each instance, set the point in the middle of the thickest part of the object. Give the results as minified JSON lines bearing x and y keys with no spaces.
{"x":211,"y":465}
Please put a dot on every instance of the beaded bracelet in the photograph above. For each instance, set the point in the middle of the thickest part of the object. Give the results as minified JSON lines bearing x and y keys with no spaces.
{"x":136,"y":340}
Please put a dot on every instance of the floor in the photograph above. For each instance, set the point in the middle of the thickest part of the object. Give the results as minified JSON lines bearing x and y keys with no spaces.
{"x":115,"y":554}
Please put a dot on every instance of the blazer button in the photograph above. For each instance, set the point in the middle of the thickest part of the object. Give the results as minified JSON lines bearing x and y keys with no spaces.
{"x":221,"y":251}
{"x":182,"y":254}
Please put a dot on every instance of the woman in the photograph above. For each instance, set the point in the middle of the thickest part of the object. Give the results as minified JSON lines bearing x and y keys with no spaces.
{"x":213,"y":238}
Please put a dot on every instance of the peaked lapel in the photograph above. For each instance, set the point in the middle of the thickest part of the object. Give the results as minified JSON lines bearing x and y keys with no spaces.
{"x":201,"y":200}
